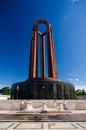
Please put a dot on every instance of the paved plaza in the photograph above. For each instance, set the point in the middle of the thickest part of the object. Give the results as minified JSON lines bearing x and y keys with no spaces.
{"x":42,"y":125}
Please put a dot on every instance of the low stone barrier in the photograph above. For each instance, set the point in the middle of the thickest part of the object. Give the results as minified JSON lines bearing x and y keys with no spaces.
{"x":68,"y":104}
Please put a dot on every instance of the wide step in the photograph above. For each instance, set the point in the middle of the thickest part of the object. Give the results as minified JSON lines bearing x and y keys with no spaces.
{"x":43,"y":117}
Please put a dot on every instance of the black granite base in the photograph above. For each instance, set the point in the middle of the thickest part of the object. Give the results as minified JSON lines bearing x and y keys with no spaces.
{"x":42,"y":89}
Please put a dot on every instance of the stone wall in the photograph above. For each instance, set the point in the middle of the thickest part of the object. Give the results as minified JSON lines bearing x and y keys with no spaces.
{"x":70,"y":104}
{"x":82,"y":97}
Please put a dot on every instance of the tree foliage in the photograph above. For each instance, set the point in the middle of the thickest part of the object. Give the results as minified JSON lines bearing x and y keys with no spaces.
{"x":80,"y":92}
{"x":5,"y":90}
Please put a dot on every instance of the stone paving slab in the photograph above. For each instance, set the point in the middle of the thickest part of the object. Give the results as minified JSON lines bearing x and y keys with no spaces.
{"x":42,"y":125}
{"x":5,"y":125}
{"x":30,"y":125}
{"x":61,"y":125}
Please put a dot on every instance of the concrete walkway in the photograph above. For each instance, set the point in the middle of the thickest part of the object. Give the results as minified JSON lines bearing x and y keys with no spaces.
{"x":43,"y":125}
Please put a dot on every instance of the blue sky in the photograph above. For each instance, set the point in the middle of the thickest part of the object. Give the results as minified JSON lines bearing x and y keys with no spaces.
{"x":68,"y":20}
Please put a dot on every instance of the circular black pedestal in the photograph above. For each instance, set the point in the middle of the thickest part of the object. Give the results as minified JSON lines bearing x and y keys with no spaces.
{"x":42,"y":89}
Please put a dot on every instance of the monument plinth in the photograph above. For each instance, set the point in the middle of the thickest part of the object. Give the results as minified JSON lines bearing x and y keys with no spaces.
{"x":42,"y":82}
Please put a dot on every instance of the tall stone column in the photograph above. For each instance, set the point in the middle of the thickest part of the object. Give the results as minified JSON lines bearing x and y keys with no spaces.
{"x":33,"y":70}
{"x":35,"y":57}
{"x":43,"y":67}
{"x":51,"y":56}
{"x":31,"y":60}
{"x":54,"y":66}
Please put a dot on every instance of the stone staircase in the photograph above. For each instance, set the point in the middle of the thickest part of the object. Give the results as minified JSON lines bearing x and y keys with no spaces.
{"x":43,"y":117}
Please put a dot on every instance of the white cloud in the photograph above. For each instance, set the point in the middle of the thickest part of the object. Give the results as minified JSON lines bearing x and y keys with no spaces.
{"x":76,"y":79}
{"x":73,"y":79}
{"x":74,"y":1}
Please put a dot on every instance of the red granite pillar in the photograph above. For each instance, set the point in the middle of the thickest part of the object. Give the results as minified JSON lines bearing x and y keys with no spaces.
{"x":42,"y":57}
{"x":31,"y":60}
{"x":51,"y":56}
{"x":35,"y":56}
{"x":33,"y":71}
{"x":54,"y":66}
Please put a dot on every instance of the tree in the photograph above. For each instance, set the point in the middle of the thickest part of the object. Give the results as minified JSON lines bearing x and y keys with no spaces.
{"x":80,"y":92}
{"x":83,"y":92}
{"x":5,"y":90}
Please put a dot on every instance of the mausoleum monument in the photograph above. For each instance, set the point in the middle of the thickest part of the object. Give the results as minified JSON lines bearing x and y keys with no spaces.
{"x":42,"y":82}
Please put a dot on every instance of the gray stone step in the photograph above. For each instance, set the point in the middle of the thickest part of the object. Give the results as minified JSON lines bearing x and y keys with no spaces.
{"x":43,"y":117}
